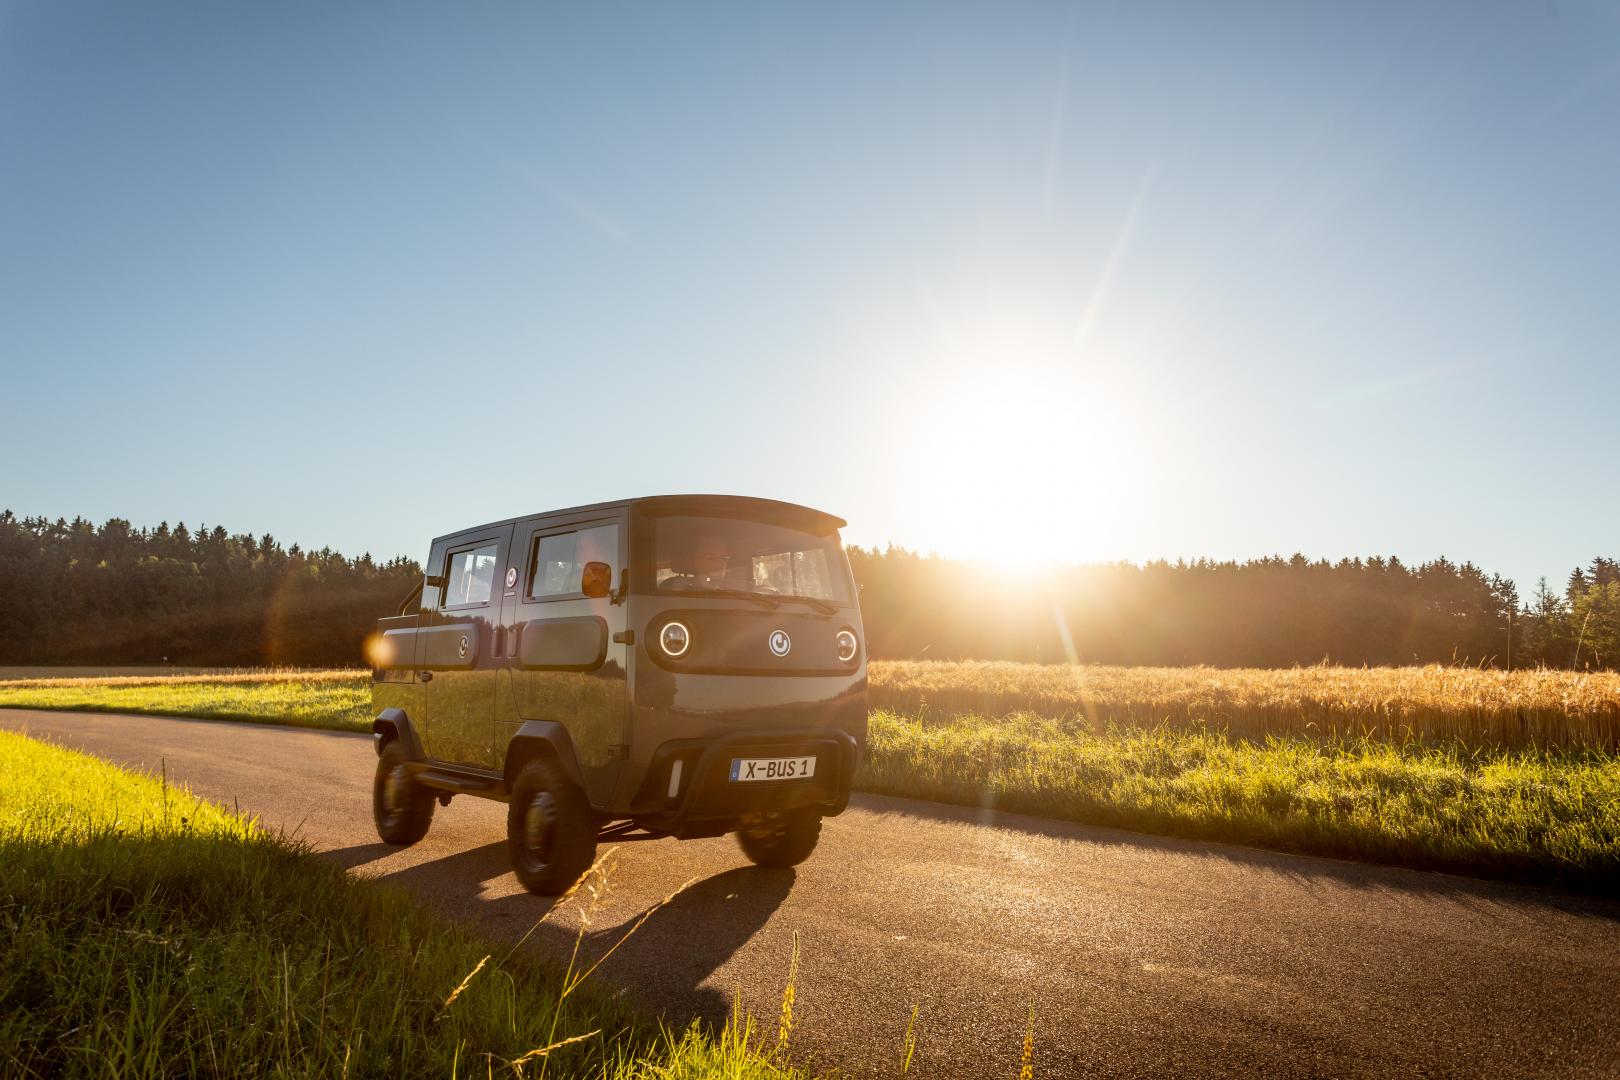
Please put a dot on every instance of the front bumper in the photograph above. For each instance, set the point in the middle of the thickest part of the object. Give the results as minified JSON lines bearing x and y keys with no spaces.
{"x":706,"y":799}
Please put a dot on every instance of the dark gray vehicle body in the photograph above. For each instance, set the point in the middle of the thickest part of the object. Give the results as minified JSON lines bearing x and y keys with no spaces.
{"x":474,"y":690}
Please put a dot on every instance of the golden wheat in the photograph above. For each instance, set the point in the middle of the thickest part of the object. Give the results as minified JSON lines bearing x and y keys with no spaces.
{"x":161,"y":677}
{"x":1533,"y":707}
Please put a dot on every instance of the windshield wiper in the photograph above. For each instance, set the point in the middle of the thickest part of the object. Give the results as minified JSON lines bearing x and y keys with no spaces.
{"x":814,"y":601}
{"x":741,"y":594}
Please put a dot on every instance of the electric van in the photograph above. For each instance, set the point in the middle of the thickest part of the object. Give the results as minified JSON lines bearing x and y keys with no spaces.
{"x":680,"y":665}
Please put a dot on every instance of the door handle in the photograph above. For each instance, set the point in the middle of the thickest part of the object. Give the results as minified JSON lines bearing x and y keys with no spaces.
{"x":424,"y":676}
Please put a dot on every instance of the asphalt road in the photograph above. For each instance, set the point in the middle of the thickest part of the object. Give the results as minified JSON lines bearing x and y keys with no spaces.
{"x":1140,"y":956}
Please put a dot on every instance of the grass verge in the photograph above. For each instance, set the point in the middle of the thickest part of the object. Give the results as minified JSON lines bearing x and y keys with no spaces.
{"x":320,"y":699}
{"x":1535,"y":815}
{"x":1515,"y":811}
{"x":149,"y":933}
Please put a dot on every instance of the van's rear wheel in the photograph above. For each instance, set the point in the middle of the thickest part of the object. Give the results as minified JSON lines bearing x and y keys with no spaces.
{"x":782,"y":837}
{"x":402,"y":808}
{"x":550,"y":829}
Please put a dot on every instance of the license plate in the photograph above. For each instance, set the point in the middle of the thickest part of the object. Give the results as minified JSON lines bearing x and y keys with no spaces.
{"x":744,"y":770}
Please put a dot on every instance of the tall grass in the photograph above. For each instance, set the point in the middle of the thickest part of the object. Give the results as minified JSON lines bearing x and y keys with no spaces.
{"x":1479,"y":706}
{"x":1550,"y":815}
{"x":148,"y":933}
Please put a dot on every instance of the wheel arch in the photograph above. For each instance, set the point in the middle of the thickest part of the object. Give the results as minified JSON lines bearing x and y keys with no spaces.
{"x":391,"y":724}
{"x":545,"y":738}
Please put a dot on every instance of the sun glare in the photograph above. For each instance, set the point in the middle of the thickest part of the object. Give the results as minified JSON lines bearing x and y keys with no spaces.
{"x":1019,"y":465}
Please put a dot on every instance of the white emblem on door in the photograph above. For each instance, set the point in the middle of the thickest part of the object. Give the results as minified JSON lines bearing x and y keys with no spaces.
{"x":780,"y":642}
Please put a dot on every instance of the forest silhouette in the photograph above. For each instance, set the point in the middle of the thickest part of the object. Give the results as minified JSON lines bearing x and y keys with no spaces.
{"x":72,"y":592}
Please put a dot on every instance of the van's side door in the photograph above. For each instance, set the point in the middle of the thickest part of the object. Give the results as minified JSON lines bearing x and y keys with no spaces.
{"x":566,"y":665}
{"x":457,"y":652}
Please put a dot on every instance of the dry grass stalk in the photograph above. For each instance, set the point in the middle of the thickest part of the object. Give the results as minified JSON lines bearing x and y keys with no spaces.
{"x":784,"y":1025}
{"x":540,"y":1052}
{"x":908,"y":1046}
{"x":457,"y":992}
{"x":1026,"y":1068}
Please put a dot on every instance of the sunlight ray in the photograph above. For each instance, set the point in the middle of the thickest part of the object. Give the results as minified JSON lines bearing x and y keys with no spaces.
{"x":1116,"y":254}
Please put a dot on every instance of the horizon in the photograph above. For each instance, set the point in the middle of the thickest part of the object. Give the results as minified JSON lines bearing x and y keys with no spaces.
{"x":1524,"y":589}
{"x":1079,"y":286}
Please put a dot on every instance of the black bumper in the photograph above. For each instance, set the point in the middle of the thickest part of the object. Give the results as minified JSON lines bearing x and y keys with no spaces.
{"x":708,"y":799}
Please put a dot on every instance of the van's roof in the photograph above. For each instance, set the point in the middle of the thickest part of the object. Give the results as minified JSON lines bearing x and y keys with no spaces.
{"x":803,"y":517}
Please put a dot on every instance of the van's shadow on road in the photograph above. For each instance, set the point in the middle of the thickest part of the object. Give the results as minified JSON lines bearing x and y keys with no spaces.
{"x":352,"y":858}
{"x":663,"y":963}
{"x":684,"y":942}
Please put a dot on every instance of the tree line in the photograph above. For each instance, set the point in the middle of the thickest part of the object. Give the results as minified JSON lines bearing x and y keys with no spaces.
{"x":75,"y":593}
{"x":72,"y":592}
{"x":1270,"y":612}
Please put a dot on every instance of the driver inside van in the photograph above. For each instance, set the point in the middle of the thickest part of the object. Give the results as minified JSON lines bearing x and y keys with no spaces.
{"x":707,"y":567}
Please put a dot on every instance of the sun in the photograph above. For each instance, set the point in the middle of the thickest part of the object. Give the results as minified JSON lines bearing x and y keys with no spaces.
{"x":1020,"y":434}
{"x":1018,"y":465}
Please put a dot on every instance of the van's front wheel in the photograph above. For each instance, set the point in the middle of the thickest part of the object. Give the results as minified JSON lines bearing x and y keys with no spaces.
{"x":402,"y":808}
{"x":781,"y":838}
{"x":550,"y":830}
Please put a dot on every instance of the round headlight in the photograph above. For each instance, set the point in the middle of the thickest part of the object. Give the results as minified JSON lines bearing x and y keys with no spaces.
{"x":846,"y":645}
{"x":674,"y":638}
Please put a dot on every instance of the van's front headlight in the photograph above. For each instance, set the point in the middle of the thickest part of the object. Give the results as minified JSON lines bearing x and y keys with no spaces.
{"x":675,"y":638}
{"x":847,"y":645}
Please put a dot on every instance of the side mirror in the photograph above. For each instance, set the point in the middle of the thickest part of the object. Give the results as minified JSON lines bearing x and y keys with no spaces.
{"x":597,"y":580}
{"x":435,"y":581}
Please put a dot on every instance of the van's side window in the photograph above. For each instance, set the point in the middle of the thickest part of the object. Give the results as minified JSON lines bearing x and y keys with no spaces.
{"x":471,"y":577}
{"x":557,"y":563}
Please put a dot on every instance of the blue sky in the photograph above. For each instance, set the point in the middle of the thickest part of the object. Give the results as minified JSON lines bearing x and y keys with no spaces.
{"x":1021,"y":281}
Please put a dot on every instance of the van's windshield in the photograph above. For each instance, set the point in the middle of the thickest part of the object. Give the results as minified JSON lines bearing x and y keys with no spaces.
{"x":723,"y":556}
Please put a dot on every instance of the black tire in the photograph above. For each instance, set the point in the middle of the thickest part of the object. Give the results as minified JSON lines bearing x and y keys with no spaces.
{"x":550,"y":829}
{"x":402,"y":808}
{"x":781,"y":838}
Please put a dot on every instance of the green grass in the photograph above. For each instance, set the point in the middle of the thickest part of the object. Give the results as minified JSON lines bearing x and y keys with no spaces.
{"x":1546,"y":815}
{"x":319,"y":699}
{"x":145,"y":933}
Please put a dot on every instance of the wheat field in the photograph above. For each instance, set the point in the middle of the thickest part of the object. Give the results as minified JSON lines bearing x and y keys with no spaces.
{"x":1527,"y":708}
{"x":1480,"y":706}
